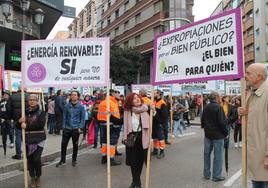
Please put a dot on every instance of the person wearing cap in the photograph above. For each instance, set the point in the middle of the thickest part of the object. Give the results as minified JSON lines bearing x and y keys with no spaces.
{"x":115,"y":122}
{"x":73,"y":123}
{"x":6,"y":127}
{"x":159,"y":119}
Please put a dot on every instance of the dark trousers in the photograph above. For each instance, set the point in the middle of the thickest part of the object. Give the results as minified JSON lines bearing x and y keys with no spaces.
{"x":7,"y":130}
{"x":98,"y":128}
{"x":66,"y":135}
{"x":237,"y":131}
{"x":58,"y":127}
{"x":34,"y":163}
{"x":86,"y":127}
{"x":51,"y":123}
{"x":186,"y":117}
{"x":166,"y":129}
{"x":135,"y":157}
{"x":113,"y":135}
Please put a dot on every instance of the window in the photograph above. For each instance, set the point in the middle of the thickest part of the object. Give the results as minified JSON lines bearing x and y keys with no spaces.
{"x":109,"y":20}
{"x":116,"y":31}
{"x":257,"y":12}
{"x":138,"y":18}
{"x":126,"y":25}
{"x":102,"y":9}
{"x":138,"y":40}
{"x":258,"y":32}
{"x":258,"y":49}
{"x":137,"y":1}
{"x":117,"y":13}
{"x":156,"y":7}
{"x":88,"y":16}
{"x":102,"y":23}
{"x":108,"y":34}
{"x":126,"y":44}
{"x":126,"y":6}
{"x":109,"y":3}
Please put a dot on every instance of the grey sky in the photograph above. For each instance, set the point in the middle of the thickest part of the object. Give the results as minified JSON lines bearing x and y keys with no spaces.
{"x":202,"y":9}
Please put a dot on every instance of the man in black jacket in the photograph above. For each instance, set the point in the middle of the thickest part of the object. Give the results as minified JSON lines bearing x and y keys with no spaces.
{"x":14,"y":111}
{"x":59,"y":107}
{"x":214,"y":123}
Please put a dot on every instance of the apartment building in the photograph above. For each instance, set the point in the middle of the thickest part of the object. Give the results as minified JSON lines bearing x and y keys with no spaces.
{"x":134,"y":23}
{"x":84,"y":25}
{"x":255,"y":27}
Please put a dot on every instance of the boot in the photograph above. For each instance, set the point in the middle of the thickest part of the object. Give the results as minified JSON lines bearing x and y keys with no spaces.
{"x":104,"y":160}
{"x":155,"y":151}
{"x":33,"y":184}
{"x":37,"y":182}
{"x":114,"y":162}
{"x":161,"y":154}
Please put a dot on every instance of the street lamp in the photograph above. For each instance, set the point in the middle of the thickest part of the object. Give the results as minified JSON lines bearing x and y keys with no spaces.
{"x":7,"y":9}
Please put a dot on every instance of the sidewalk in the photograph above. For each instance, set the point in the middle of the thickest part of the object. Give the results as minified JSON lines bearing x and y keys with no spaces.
{"x":51,"y":151}
{"x":196,"y":121}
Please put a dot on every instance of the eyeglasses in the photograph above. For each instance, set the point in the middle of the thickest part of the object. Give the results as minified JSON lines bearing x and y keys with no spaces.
{"x":32,"y":100}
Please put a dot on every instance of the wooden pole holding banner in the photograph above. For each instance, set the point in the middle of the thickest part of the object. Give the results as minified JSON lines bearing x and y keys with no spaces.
{"x":25,"y":168}
{"x":108,"y":137}
{"x":44,"y":108}
{"x":147,"y":178}
{"x":171,"y":114}
{"x":244,"y":136}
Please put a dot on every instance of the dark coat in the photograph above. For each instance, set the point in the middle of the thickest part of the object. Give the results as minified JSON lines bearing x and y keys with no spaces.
{"x":14,"y":106}
{"x":214,"y":122}
{"x":59,"y":104}
{"x":35,"y":123}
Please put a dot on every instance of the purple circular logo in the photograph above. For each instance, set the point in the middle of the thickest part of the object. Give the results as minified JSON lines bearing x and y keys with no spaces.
{"x":36,"y":72}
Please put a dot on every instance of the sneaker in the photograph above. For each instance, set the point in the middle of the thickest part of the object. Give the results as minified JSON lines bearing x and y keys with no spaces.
{"x":17,"y":157}
{"x":11,"y":145}
{"x":240,"y":144}
{"x":218,"y":179}
{"x":161,"y":154}
{"x":104,"y":160}
{"x":61,"y":163}
{"x":114,"y":162}
{"x":236,"y":145}
{"x":74,"y":163}
{"x":155,"y":152}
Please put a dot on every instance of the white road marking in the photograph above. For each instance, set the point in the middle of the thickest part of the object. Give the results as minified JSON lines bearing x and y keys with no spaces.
{"x":231,"y":180}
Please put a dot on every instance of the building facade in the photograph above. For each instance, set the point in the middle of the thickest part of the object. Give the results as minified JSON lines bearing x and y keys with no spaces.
{"x":134,"y":23}
{"x":255,"y":27}
{"x":84,"y":25}
{"x":11,"y":30}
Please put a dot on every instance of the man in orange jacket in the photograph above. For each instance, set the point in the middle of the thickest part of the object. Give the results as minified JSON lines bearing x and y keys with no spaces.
{"x":146,"y":100}
{"x":159,"y":119}
{"x":115,"y":123}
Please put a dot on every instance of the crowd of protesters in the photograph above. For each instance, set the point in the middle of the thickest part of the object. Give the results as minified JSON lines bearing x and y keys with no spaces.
{"x":70,"y":115}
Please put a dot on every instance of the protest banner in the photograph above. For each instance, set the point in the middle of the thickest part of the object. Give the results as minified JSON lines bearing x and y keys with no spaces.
{"x":135,"y":88}
{"x":74,"y":62}
{"x":233,"y":88}
{"x":66,"y":63}
{"x":210,"y":49}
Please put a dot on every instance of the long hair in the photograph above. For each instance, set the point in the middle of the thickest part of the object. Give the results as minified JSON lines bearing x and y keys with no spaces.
{"x":128,"y":104}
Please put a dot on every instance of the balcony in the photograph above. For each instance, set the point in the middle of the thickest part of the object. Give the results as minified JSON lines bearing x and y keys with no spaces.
{"x":248,"y":40}
{"x":247,"y":7}
{"x":248,"y":24}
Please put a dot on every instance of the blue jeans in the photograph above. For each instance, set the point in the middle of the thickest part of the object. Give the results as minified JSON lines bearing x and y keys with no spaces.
{"x":259,"y":184}
{"x":51,"y":123}
{"x":18,"y":141}
{"x":177,"y":125}
{"x":218,"y":157}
